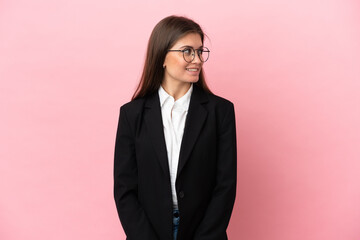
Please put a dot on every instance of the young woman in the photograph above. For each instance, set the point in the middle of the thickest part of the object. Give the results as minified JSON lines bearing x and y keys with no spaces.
{"x":175,"y":151}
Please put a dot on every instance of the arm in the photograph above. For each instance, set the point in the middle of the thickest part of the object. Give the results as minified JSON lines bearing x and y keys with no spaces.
{"x":217,"y":216}
{"x":132,"y":216}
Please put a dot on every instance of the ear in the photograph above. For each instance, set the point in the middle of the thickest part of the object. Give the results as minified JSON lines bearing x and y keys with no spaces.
{"x":164,"y":63}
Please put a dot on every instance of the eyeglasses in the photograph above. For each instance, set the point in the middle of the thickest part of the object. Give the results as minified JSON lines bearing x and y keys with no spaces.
{"x":189,"y":53}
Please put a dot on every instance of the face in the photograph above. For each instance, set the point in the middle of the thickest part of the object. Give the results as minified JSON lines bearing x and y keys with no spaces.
{"x":176,"y":68}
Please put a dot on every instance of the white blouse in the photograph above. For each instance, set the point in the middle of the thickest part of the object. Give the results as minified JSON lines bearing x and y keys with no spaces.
{"x":174,"y":115}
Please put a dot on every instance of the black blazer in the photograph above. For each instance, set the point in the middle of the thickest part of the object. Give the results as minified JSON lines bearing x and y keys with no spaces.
{"x":206,"y":177}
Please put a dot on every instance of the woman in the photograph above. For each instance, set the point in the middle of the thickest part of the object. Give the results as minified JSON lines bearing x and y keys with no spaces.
{"x":175,"y":152}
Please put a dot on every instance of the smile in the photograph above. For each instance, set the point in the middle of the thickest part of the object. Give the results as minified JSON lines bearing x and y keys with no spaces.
{"x":192,"y":69}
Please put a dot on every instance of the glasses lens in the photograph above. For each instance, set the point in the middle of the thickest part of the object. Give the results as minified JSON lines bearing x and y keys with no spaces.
{"x":189,"y":54}
{"x":204,"y":54}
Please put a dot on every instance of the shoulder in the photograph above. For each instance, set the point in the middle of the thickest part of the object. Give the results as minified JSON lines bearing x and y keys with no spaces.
{"x":132,"y":108}
{"x":133,"y":104}
{"x":212,"y":100}
{"x":223,"y":110}
{"x":220,"y":101}
{"x":219,"y":104}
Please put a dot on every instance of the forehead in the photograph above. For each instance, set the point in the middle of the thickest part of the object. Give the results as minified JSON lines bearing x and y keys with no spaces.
{"x":190,"y":39}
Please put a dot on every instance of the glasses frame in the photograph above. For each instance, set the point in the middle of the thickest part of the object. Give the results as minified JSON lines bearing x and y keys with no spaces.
{"x":203,"y":49}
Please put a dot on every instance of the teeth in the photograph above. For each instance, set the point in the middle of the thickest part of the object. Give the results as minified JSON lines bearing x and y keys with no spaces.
{"x":192,"y":69}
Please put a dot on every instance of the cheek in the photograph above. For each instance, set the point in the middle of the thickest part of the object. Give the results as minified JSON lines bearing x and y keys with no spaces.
{"x":177,"y":62}
{"x":176,"y":65}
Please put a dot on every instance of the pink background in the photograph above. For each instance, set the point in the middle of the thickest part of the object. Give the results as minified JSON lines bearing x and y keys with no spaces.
{"x":292,"y":69}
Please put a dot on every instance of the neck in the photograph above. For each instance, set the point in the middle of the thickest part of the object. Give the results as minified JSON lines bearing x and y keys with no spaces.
{"x":176,"y":89}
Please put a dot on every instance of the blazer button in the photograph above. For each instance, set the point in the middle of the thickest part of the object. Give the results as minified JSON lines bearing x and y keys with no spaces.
{"x":181,"y":194}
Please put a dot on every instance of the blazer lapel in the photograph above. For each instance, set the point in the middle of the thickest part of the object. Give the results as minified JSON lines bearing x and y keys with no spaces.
{"x":194,"y":121}
{"x":153,"y":121}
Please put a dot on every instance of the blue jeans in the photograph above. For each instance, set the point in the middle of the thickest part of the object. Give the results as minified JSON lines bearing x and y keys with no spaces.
{"x":176,"y":220}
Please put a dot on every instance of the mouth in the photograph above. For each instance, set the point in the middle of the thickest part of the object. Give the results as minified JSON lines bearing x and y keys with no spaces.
{"x":193,"y":69}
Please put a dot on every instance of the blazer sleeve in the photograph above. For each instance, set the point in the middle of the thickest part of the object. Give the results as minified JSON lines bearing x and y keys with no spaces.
{"x":217,"y":216}
{"x":132,"y":216}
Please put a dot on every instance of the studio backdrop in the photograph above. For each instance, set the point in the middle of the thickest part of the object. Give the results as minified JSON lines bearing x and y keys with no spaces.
{"x":291,"y":68}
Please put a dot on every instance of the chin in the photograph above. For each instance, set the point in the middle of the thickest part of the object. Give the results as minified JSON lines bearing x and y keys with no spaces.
{"x":194,"y":80}
{"x":190,"y":80}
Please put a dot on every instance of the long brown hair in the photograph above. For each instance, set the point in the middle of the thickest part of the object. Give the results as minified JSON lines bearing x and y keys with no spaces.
{"x":164,"y":36}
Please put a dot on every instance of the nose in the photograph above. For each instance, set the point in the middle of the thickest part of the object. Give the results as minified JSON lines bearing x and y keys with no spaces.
{"x":196,"y":57}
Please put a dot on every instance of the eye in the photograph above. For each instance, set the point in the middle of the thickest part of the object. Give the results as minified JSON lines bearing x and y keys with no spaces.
{"x":187,"y":51}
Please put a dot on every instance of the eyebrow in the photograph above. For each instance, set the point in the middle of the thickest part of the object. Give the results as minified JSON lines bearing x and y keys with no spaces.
{"x":191,"y":46}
